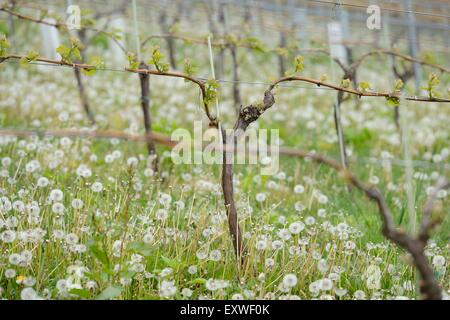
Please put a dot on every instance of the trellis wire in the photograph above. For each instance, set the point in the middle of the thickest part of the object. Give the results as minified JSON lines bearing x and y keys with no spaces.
{"x":25,"y":132}
{"x":218,"y":80}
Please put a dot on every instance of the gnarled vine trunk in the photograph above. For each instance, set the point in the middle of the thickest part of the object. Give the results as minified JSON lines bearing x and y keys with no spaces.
{"x":228,"y":194}
{"x":246,"y":116}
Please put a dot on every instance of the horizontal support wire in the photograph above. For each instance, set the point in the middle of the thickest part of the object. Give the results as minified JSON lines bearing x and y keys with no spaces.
{"x":257,"y":83}
{"x":164,"y":140}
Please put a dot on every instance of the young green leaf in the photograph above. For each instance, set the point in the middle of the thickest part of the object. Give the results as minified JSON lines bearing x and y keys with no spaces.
{"x":345,"y":83}
{"x":116,"y":33}
{"x":73,"y":53}
{"x":433,"y":81}
{"x":4,"y":44}
{"x":189,"y":67}
{"x":76,"y":43}
{"x":299,"y":60}
{"x":211,"y":91}
{"x":364,"y":86}
{"x":398,"y":85}
{"x":132,"y":62}
{"x":31,"y":56}
{"x":156,"y":60}
{"x":393,"y":101}
{"x":64,"y":52}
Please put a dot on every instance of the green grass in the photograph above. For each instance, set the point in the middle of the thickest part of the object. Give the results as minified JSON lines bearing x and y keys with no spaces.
{"x":128,"y":252}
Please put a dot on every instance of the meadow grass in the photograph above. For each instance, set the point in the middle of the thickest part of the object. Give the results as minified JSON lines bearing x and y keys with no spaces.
{"x":133,"y":235}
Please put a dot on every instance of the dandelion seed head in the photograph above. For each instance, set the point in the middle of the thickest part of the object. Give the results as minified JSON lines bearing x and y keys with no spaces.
{"x":29,"y":294}
{"x":296,"y":227}
{"x":192,"y":270}
{"x":237,"y":296}
{"x":56,"y":195}
{"x":299,"y":207}
{"x":359,"y":295}
{"x":186,"y":292}
{"x":290,"y":280}
{"x":299,"y":189}
{"x":97,"y":187}
{"x":261,"y":197}
{"x":310,"y":220}
{"x":438,"y":261}
{"x":77,"y":203}
{"x":58,"y":208}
